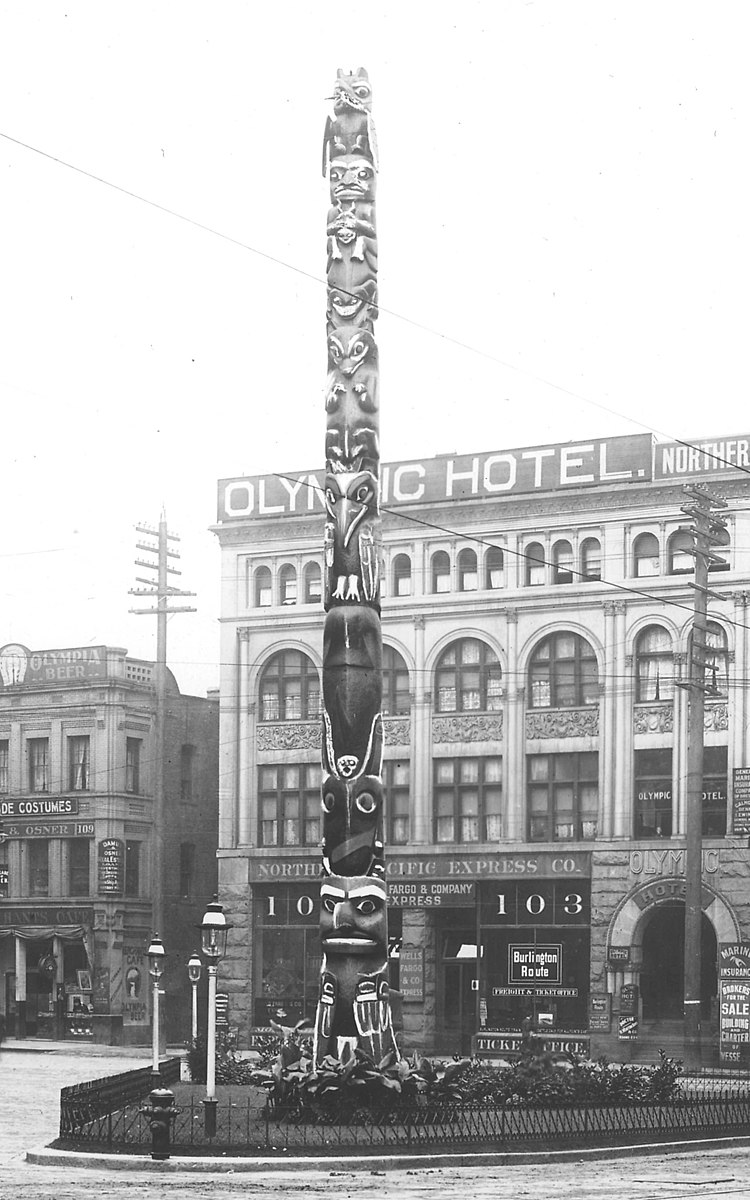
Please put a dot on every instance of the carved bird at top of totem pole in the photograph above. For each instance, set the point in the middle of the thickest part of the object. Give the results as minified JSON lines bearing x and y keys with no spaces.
{"x":352,"y":128}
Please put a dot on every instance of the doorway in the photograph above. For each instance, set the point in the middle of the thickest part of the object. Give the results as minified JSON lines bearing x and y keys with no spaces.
{"x":459,"y":1000}
{"x":662,"y":973}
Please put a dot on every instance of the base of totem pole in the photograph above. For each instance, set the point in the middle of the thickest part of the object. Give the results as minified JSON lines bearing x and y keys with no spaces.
{"x":209,"y":1117}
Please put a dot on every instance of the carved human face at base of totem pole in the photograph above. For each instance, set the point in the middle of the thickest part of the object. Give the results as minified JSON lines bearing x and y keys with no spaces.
{"x":353,"y":826}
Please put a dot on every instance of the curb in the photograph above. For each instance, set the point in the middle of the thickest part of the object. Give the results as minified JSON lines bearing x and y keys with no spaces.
{"x":375,"y":1163}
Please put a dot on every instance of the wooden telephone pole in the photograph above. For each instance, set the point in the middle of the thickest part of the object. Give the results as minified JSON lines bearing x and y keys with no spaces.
{"x":162,"y":592}
{"x":709,"y":529}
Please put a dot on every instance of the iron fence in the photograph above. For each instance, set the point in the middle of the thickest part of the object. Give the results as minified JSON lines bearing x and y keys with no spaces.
{"x":95,"y":1102}
{"x":247,"y":1126}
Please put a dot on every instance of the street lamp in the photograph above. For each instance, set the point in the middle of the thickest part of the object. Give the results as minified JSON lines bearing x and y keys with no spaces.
{"x":156,"y":956}
{"x":214,"y":930}
{"x":194,"y":973}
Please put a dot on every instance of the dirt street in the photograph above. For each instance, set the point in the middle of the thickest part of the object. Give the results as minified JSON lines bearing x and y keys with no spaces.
{"x":28,"y":1119}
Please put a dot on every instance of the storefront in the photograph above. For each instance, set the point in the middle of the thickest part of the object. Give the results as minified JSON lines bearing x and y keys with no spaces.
{"x":45,"y":965}
{"x":477,"y":944}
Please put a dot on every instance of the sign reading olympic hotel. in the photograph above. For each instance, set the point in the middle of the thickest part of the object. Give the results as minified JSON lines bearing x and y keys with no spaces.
{"x":600,"y":461}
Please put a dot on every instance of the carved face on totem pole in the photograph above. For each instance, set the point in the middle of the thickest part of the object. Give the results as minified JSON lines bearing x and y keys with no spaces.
{"x":352,"y":558}
{"x":352,"y":92}
{"x":353,"y":826}
{"x":350,"y":348}
{"x":352,"y":178}
{"x":353,"y":917}
{"x":359,"y":307}
{"x":352,"y":448}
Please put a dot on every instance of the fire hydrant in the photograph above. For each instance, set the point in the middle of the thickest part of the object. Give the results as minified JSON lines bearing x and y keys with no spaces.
{"x":161,"y":1113}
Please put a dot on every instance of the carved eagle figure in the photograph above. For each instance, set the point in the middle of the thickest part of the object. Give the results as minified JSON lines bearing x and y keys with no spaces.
{"x":351,"y":556}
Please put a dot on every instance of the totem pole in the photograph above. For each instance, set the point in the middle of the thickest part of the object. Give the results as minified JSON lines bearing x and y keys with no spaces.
{"x":353,"y":1002}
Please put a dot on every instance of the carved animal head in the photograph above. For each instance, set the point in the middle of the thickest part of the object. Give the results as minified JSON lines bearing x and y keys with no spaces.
{"x":350,"y":499}
{"x":353,"y":825}
{"x":352,"y":177}
{"x":349,"y":347}
{"x":351,"y":448}
{"x":358,"y":307}
{"x":352,"y":91}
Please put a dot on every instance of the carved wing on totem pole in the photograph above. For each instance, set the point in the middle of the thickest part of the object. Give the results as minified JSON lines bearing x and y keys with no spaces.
{"x":354,"y":996}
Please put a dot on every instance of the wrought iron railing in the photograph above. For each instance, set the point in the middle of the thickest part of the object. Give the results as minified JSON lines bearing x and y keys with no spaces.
{"x":245,"y":1125}
{"x":84,"y":1106}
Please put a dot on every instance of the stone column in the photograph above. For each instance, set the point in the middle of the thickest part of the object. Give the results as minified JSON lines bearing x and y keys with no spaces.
{"x":421,"y":742}
{"x":20,"y":986}
{"x":623,"y":724}
{"x":244,"y":743}
{"x":681,"y":708}
{"x":607,"y":726}
{"x":513,"y":736}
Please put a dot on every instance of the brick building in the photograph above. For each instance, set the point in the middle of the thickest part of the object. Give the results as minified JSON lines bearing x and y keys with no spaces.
{"x":77,"y":779}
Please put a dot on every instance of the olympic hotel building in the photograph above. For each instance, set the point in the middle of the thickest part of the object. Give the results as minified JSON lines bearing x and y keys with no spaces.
{"x":537,"y":612}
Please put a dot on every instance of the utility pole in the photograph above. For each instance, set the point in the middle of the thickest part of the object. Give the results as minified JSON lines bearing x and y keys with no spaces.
{"x":708,"y":529}
{"x":162,"y":592}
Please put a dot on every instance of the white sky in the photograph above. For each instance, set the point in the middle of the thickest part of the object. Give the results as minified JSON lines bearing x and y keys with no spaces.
{"x":562,"y":204}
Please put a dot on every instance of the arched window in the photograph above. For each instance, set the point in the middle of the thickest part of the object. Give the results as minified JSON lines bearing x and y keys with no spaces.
{"x":263,"y":589}
{"x":313,"y":586}
{"x":562,"y":561}
{"x":645,"y":555}
{"x":402,"y":575}
{"x":468,"y":579}
{"x":591,"y":559}
{"x":716,"y":658}
{"x":468,"y":678}
{"x":289,"y":688}
{"x":536,"y":567}
{"x":288,"y":584}
{"x":654,"y":664}
{"x":681,"y":561}
{"x":441,"y":572}
{"x":563,"y":672}
{"x":494,"y":568}
{"x":396,"y":699}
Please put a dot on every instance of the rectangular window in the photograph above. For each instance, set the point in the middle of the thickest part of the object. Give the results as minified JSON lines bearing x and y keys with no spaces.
{"x":132,"y":868}
{"x":4,"y":782}
{"x":563,"y":796}
{"x":653,"y":793}
{"x":715,"y":791}
{"x":187,"y":870}
{"x":78,"y":764}
{"x":78,"y":866}
{"x":289,"y":801}
{"x":396,"y":788}
{"x":467,"y":799}
{"x":38,"y":859}
{"x":133,"y":765}
{"x":38,"y":750}
{"x":187,"y":761}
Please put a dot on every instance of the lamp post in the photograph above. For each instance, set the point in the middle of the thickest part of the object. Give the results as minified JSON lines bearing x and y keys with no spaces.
{"x":156,"y":956}
{"x":214,"y":929}
{"x":194,"y":968}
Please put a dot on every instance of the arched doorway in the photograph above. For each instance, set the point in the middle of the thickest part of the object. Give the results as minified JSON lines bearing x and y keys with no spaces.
{"x":662,"y":972}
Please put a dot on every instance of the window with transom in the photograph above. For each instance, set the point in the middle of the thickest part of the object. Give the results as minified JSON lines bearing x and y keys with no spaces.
{"x":396,"y":698}
{"x":468,"y":678}
{"x":402,"y":575}
{"x":563,"y":673}
{"x":289,"y":804}
{"x":467,"y":799}
{"x":289,"y":688}
{"x":440,"y":572}
{"x":468,"y":577}
{"x":563,"y":796}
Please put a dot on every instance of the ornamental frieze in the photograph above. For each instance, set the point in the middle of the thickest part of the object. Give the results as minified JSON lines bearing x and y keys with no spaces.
{"x":466,"y":727}
{"x":289,"y":735}
{"x":563,"y":722}
{"x":653,"y":719}
{"x":716,"y":717}
{"x":397,"y":731}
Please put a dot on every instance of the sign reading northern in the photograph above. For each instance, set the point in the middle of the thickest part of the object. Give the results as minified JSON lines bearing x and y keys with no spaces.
{"x":452,"y":477}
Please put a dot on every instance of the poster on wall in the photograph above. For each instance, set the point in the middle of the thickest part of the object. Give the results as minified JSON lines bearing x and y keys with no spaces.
{"x":135,"y":1001}
{"x":111,"y":866}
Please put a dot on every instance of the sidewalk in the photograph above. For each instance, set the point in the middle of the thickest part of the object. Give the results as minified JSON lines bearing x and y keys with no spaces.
{"x":85,"y":1048}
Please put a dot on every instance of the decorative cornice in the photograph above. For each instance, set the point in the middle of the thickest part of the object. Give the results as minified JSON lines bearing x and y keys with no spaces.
{"x":289,"y":735}
{"x":563,"y":722}
{"x":468,"y":727}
